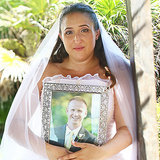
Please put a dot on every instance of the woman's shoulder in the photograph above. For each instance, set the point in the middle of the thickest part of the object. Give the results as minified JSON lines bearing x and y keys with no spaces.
{"x":50,"y":70}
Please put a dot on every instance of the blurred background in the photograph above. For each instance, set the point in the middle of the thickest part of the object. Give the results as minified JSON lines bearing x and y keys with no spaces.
{"x":24,"y":24}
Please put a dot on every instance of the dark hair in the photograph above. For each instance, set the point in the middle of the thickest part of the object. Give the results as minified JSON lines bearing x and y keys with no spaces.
{"x":59,"y":53}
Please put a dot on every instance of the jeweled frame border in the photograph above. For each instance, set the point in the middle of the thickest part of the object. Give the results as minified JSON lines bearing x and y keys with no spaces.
{"x":47,"y":91}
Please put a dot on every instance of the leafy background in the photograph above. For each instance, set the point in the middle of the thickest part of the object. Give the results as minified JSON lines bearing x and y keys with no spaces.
{"x":24,"y":24}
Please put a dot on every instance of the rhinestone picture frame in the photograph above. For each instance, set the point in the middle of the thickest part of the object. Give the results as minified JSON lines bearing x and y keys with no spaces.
{"x":50,"y":88}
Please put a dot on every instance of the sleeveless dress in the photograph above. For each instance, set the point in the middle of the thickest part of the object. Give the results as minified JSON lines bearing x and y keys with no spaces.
{"x":36,"y":125}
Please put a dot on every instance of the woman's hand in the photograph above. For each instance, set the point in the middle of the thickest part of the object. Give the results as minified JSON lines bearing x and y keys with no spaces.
{"x":55,"y":152}
{"x":87,"y":152}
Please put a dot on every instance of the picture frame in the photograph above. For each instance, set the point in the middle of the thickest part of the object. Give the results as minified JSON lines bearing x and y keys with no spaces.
{"x":54,"y":116}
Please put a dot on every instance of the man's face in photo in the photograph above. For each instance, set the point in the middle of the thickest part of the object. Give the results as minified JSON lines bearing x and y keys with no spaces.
{"x":76,"y":111}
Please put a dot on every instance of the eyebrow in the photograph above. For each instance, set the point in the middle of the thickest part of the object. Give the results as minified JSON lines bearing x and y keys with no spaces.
{"x":83,"y":25}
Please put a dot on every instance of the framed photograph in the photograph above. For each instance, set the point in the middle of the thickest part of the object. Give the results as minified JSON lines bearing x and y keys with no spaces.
{"x":74,"y":112}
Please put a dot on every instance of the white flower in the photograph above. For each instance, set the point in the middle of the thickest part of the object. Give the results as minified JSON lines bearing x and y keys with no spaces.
{"x":81,"y":136}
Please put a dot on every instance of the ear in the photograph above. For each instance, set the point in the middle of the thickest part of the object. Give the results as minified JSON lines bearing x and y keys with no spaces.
{"x":97,"y":34}
{"x":67,"y":110}
{"x":85,"y":114}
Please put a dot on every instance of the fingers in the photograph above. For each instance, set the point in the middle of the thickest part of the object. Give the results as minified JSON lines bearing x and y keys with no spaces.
{"x":81,"y":145}
{"x":75,"y":155}
{"x":68,"y":151}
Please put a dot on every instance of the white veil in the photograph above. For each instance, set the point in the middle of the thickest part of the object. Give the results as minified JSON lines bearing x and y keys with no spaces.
{"x":19,"y":142}
{"x":121,"y":69}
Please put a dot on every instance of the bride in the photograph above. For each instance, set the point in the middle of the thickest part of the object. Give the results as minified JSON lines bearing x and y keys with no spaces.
{"x":77,"y":47}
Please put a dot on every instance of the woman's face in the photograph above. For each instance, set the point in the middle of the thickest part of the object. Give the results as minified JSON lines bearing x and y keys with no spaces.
{"x":78,"y":36}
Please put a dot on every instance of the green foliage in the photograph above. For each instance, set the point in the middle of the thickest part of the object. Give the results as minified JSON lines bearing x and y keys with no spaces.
{"x":28,"y":18}
{"x":4,"y":109}
{"x":155,"y":11}
{"x":158,"y":119}
{"x":8,"y":4}
{"x":14,"y":45}
{"x":87,"y":124}
{"x":113,"y":16}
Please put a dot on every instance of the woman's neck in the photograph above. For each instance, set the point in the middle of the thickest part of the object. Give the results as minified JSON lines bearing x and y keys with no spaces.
{"x":77,"y":68}
{"x":81,"y":66}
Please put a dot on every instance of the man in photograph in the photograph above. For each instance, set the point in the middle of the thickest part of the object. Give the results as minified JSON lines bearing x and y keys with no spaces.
{"x":74,"y":131}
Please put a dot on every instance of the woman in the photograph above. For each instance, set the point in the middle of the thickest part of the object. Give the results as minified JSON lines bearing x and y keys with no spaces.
{"x":79,"y":52}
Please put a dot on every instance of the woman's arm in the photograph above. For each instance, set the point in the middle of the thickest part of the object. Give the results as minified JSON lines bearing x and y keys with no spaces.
{"x":122,"y":138}
{"x":120,"y":141}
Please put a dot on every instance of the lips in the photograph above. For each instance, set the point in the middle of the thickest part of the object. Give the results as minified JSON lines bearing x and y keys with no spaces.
{"x":75,"y":118}
{"x":78,"y":48}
